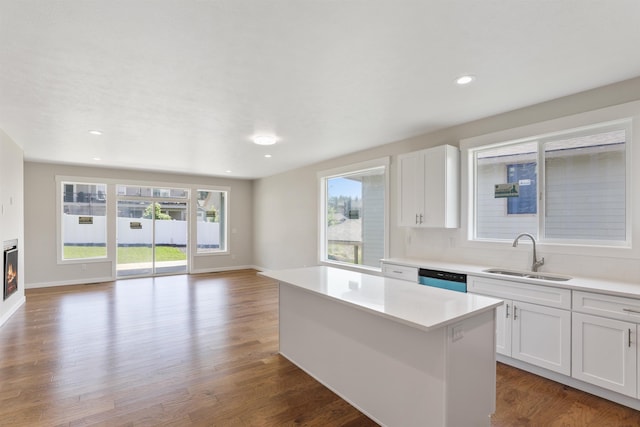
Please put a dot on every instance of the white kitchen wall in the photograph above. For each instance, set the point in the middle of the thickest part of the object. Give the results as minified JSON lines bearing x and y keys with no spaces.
{"x":289,"y":238}
{"x":11,"y":217}
{"x":40,"y":223}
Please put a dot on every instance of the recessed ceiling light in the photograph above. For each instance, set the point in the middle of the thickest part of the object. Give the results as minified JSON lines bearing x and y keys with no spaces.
{"x":264,"y":139}
{"x":227,"y":171}
{"x":97,"y":159}
{"x":95,"y":132}
{"x":267,"y":156}
{"x":465,"y":80}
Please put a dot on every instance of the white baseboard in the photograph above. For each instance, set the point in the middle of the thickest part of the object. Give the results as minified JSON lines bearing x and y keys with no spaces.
{"x":13,"y":309}
{"x":68,"y":282}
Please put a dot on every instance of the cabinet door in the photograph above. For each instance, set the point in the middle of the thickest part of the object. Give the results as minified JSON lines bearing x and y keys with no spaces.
{"x":542,"y":336}
{"x":434,"y":188}
{"x":503,"y":328}
{"x":441,"y":187}
{"x":604,"y":353}
{"x":411,"y":189}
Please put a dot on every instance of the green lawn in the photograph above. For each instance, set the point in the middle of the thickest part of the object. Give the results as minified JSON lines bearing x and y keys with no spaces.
{"x":126,"y":255}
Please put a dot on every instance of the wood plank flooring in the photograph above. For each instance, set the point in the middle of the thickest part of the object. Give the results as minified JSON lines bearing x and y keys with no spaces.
{"x":203,"y":351}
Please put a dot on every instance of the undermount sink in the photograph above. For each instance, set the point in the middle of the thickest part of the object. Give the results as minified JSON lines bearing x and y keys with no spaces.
{"x":529,"y":274}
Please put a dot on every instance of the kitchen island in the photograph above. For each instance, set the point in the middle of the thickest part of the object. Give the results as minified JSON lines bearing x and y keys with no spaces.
{"x":403,"y":354}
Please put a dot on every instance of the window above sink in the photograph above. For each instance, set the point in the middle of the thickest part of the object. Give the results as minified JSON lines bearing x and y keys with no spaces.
{"x":567,"y":187}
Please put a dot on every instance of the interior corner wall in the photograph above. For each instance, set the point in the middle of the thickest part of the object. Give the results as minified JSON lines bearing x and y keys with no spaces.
{"x":286,"y":205}
{"x":11,"y":217}
{"x":42,"y":267}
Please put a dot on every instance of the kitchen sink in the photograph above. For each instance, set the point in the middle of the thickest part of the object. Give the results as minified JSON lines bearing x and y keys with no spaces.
{"x":529,"y":274}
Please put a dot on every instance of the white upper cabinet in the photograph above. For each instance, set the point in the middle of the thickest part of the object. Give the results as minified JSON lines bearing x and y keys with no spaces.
{"x":429,"y":188}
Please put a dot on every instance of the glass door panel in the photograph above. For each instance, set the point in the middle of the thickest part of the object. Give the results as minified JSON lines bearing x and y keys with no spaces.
{"x":152,"y":232}
{"x":135,"y":238}
{"x":170,"y":237}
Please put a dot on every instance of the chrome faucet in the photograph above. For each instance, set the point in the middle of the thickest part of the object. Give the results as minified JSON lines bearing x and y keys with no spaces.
{"x":536,"y":263}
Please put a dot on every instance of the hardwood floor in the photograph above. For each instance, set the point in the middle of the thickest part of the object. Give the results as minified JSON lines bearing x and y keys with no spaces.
{"x":202,"y":351}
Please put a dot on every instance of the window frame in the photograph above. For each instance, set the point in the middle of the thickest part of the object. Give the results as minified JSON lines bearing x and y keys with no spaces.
{"x":628,"y":112}
{"x":540,"y":141}
{"x":323,"y":177}
{"x":60,"y":182}
{"x":224,"y":228}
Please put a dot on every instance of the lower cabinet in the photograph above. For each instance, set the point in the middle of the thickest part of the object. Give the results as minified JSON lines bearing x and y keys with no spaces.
{"x":589,"y":336}
{"x":542,"y":336}
{"x":534,"y":333}
{"x":605,"y":341}
{"x":605,"y":353}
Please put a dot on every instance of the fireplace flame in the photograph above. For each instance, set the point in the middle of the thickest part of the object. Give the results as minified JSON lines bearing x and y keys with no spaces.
{"x":11,"y":274}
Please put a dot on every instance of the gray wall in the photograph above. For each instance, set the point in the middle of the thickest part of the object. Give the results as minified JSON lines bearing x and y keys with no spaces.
{"x":40,"y":222}
{"x":291,"y":240}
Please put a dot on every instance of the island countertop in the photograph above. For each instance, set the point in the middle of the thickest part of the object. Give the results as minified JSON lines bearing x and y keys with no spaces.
{"x":419,"y":306}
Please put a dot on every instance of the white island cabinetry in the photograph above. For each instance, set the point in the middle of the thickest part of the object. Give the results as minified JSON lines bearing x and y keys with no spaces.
{"x":404,"y":355}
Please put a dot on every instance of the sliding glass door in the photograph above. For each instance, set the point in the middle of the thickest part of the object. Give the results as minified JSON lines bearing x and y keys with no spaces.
{"x":152,"y":231}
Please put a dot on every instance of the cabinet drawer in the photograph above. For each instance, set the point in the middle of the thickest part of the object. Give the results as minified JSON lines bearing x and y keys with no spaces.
{"x":400,"y":272}
{"x":621,"y":308}
{"x":535,"y":294}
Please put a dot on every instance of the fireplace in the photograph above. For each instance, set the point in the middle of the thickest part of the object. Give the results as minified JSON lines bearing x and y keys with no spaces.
{"x":10,"y":269}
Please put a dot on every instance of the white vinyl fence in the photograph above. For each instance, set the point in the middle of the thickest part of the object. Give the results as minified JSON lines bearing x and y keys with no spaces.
{"x":168,"y":232}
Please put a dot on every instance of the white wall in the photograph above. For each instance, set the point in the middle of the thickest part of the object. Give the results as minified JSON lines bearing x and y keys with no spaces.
{"x":11,"y":217}
{"x":288,"y":237}
{"x":40,"y":222}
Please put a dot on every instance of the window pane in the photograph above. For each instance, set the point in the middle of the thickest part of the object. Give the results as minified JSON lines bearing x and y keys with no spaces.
{"x":506,"y":217}
{"x":585,"y":187}
{"x":84,"y":225}
{"x":211,"y":212}
{"x":355,"y":217}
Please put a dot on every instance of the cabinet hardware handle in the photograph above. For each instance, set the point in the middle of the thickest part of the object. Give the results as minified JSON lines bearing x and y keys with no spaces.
{"x":630,"y":310}
{"x":629,"y":337}
{"x":416,"y":218}
{"x":397,"y":272}
{"x":507,"y":315}
{"x":420,"y":218}
{"x":515,"y":312}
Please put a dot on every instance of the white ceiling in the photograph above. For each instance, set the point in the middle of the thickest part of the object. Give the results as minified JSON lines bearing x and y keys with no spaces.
{"x":183,"y":85}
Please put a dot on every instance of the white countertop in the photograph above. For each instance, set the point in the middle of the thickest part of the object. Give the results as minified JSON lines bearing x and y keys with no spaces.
{"x":625,"y":289}
{"x":422,"y":307}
